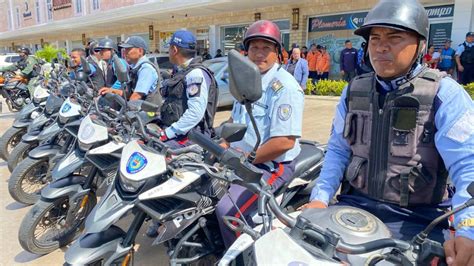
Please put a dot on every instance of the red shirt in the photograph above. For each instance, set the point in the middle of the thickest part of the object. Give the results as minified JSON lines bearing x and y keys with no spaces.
{"x":428,"y":58}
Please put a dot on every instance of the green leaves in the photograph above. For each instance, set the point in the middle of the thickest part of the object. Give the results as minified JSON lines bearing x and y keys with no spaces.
{"x":48,"y":53}
{"x":325,"y":87}
{"x":470,"y":89}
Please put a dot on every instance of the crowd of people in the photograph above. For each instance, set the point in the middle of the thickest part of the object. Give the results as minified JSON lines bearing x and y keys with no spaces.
{"x":449,"y":60}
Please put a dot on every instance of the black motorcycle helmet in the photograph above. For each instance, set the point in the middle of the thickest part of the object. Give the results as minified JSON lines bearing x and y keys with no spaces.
{"x":91,"y":46}
{"x":24,"y":50}
{"x":106,"y":43}
{"x":405,"y":15}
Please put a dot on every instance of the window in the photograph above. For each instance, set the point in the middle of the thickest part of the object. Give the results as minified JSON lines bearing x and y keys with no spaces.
{"x":9,"y":19}
{"x":49,"y":9}
{"x":38,"y":11}
{"x":18,"y":21}
{"x":78,"y":6}
{"x":95,"y":4}
{"x":12,"y":59}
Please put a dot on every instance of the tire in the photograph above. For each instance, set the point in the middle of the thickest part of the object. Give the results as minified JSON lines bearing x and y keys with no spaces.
{"x":40,"y":214}
{"x":24,"y":172}
{"x":19,"y":153}
{"x":9,"y":140}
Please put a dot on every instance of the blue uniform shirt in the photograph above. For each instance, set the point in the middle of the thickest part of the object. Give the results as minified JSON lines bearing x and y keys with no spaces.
{"x":197,"y":91}
{"x":147,"y":77}
{"x":72,"y":74}
{"x":461,"y":48}
{"x":279,"y":112}
{"x":454,"y":140}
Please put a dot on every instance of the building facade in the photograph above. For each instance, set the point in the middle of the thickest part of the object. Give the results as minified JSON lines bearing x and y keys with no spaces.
{"x":218,"y":24}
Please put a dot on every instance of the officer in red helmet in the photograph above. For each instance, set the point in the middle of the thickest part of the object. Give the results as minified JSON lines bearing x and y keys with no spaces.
{"x":278,"y":114}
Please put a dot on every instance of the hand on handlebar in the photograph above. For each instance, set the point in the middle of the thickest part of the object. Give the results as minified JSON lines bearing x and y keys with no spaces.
{"x":105,"y":90}
{"x":315,"y":204}
{"x":459,"y":251}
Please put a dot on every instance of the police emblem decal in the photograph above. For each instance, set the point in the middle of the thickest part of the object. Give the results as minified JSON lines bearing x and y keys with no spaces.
{"x":136,"y":163}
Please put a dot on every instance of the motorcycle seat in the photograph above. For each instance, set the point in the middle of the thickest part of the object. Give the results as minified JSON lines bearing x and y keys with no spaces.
{"x":309,"y":156}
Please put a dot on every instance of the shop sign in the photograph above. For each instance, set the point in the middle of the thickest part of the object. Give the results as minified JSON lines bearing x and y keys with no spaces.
{"x":350,"y":21}
{"x":353,"y":21}
{"x":439,"y":33}
{"x":27,"y":13}
{"x":61,"y":4}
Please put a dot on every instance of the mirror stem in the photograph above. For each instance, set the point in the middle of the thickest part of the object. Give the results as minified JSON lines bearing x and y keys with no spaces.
{"x":253,"y":154}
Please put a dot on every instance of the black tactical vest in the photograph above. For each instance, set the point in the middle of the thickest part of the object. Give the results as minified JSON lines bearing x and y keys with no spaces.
{"x":176,"y":100}
{"x":153,"y":97}
{"x":467,"y":57}
{"x":394,"y":157}
{"x":98,"y":79}
{"x":110,"y":77}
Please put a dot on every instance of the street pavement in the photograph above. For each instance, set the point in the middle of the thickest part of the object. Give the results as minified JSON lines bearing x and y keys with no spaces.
{"x":318,"y":114}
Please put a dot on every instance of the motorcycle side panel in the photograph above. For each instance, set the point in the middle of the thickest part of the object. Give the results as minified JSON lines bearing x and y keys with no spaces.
{"x":44,"y":151}
{"x":54,"y":193}
{"x":107,"y":212}
{"x":177,"y":182}
{"x":138,"y":164}
{"x":50,"y":131}
{"x":67,"y":165}
{"x":107,"y":148}
{"x":80,"y":253}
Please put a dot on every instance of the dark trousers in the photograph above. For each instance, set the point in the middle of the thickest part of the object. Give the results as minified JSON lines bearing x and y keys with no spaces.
{"x":247,"y":200}
{"x":313,"y":75}
{"x":468,"y":74}
{"x":403,"y":223}
{"x":325,"y":75}
{"x":349,"y":75}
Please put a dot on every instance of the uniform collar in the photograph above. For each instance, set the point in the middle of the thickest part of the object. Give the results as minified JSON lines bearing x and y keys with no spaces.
{"x":185,"y":64}
{"x":141,"y":60}
{"x":267,"y":78}
{"x":469,"y":44}
{"x":390,"y":85}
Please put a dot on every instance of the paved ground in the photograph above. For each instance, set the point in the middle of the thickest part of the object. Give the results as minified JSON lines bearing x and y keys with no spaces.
{"x":316,"y":125}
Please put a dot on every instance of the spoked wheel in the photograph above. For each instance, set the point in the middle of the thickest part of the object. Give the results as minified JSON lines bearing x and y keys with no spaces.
{"x":9,"y":140}
{"x":47,"y":227}
{"x":28,"y":179}
{"x":19,"y":153}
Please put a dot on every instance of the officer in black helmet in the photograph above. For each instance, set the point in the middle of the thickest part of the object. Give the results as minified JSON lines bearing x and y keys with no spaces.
{"x":94,"y":58}
{"x":26,"y":65}
{"x":107,"y":48}
{"x":397,"y":134}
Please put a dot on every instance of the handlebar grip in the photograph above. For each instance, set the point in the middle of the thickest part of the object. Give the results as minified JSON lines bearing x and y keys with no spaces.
{"x":206,"y":143}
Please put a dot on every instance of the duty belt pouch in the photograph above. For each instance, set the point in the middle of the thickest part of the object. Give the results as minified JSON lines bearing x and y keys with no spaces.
{"x":350,"y":128}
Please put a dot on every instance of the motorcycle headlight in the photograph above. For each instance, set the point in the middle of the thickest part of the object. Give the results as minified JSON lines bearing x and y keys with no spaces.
{"x":34,"y":114}
{"x":130,"y":185}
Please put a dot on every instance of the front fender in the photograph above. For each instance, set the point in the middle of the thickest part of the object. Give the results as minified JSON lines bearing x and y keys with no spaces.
{"x":44,"y":151}
{"x":22,"y":123}
{"x":89,"y":248}
{"x":26,"y":111}
{"x":67,"y":186}
{"x":29,"y":137}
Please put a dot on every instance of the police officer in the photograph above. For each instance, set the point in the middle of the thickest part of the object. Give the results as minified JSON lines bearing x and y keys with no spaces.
{"x":278,"y":114}
{"x":144,"y":76}
{"x":397,"y":132}
{"x":75,"y":56}
{"x":190,"y":96}
{"x":465,"y":59}
{"x":94,"y":58}
{"x":27,"y":65}
{"x":107,"y":48}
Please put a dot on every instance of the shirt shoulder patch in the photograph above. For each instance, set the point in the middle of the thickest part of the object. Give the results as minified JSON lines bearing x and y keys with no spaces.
{"x":284,"y":112}
{"x":463,"y":129}
{"x":194,"y":90}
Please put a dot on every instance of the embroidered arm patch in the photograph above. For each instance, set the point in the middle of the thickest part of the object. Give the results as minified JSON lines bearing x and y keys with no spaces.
{"x":463,"y":129}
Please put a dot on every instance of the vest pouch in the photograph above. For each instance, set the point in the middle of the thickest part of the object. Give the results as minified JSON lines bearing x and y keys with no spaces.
{"x":172,"y":112}
{"x":412,"y":184}
{"x":356,"y":172}
{"x":350,"y":127}
{"x":403,"y":131}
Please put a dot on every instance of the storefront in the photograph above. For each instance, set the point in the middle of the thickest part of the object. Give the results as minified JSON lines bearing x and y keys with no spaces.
{"x":333,"y":30}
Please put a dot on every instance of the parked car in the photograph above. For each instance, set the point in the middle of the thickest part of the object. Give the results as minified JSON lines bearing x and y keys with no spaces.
{"x":163,"y":62}
{"x":9,"y":59}
{"x":219,"y":67}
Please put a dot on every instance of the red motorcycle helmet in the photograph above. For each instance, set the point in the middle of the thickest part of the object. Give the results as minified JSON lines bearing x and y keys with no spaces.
{"x":263,"y":29}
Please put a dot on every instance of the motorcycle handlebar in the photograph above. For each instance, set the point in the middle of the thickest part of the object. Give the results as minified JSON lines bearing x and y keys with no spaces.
{"x":206,"y":143}
{"x":368,"y":247}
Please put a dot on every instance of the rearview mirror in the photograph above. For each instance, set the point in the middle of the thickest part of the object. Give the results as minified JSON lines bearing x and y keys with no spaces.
{"x":122,"y":74}
{"x":245,"y":81}
{"x":232,"y":132}
{"x":85,"y":66}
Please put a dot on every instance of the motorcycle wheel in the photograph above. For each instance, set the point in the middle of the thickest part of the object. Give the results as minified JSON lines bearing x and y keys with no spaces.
{"x":9,"y":140}
{"x":28,"y":179}
{"x":44,"y":228}
{"x":19,"y":153}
